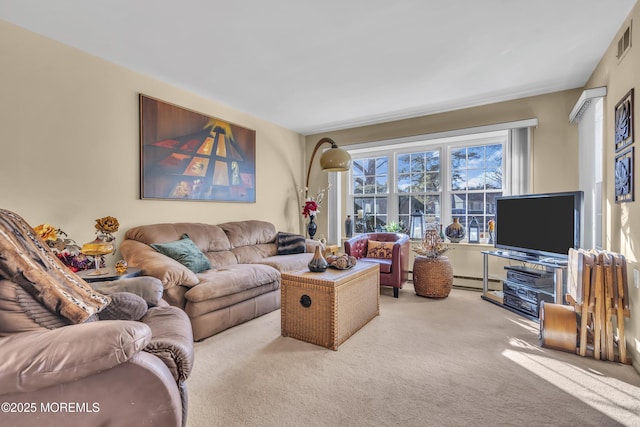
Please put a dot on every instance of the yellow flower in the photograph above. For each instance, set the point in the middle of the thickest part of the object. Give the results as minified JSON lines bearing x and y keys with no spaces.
{"x":108,"y":224}
{"x":46,"y":232}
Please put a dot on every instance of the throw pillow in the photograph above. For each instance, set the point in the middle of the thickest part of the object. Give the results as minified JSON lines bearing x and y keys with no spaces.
{"x":185,"y":252}
{"x":289,"y":243}
{"x":377,"y":249}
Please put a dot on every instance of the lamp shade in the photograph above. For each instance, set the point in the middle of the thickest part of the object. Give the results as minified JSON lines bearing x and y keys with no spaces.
{"x":335,"y":159}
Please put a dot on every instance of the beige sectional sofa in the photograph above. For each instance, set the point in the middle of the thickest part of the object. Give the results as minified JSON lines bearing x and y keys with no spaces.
{"x":243,"y":281}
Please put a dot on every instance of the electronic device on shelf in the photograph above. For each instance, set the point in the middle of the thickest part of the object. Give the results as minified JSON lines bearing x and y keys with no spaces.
{"x":526,"y":287}
{"x":541,"y":226}
{"x":536,"y":279}
{"x":528,"y":306}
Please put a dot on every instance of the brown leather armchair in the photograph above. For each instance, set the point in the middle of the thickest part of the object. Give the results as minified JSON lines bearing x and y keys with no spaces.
{"x":54,"y":371}
{"x":394,"y":271}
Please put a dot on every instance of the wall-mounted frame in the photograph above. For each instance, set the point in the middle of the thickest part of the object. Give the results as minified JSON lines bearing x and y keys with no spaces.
{"x":623,"y":172}
{"x":624,"y":121}
{"x":185,"y":155}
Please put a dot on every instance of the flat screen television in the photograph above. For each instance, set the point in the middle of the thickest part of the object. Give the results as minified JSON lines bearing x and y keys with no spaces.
{"x":540,"y":225}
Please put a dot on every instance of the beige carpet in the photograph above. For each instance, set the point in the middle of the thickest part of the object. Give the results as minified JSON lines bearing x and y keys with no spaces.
{"x":458,"y":361}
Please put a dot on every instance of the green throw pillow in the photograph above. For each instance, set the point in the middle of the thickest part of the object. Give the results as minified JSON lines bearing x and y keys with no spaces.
{"x":185,"y":252}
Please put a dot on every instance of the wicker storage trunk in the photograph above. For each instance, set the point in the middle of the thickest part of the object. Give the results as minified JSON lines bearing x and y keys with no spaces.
{"x":327,"y":308}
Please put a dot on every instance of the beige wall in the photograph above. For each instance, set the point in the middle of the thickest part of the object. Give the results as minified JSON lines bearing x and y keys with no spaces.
{"x":555,"y":141}
{"x":69,"y":144}
{"x":622,"y":221}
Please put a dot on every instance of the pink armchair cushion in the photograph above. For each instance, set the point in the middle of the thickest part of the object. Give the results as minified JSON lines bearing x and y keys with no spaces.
{"x":377,"y":249}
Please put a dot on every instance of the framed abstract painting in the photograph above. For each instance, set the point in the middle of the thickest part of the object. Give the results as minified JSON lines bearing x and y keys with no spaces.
{"x":185,"y":155}
{"x":624,"y":121}
{"x":623,"y":171}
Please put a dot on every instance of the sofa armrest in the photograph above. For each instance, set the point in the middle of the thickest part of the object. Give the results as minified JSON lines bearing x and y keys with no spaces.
{"x":172,"y":340}
{"x":168,"y":270}
{"x":33,"y":360}
{"x":357,"y":246}
{"x":147,"y":287}
{"x":311,"y":245}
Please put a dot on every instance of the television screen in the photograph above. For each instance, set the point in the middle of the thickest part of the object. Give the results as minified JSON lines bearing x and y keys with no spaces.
{"x":539,"y":224}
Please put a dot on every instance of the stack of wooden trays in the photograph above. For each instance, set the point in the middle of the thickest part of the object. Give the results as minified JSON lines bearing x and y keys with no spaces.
{"x":598,"y":301}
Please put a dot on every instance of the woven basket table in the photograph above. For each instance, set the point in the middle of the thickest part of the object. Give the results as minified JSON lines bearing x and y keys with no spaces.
{"x":432,"y":277}
{"x":327,"y":308}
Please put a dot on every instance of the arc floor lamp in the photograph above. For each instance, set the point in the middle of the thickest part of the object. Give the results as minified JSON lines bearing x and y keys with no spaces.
{"x":334,"y":159}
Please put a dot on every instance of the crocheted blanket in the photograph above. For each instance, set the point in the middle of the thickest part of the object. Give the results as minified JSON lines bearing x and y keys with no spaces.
{"x":26,"y":260}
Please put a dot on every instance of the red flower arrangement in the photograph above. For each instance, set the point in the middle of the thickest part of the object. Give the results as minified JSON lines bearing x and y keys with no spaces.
{"x":67,"y":250}
{"x":311,"y":204}
{"x":310,"y":208}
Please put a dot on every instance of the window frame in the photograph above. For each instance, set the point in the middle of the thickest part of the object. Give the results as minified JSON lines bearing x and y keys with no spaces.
{"x":445,"y":146}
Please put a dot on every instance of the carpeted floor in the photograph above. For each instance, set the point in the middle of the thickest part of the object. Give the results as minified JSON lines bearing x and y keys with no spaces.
{"x":458,"y":361}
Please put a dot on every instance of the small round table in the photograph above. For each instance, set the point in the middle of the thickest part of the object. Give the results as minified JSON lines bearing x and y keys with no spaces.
{"x":432,"y":277}
{"x":111,"y":274}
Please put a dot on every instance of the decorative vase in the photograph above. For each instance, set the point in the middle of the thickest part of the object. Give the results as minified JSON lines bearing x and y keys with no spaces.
{"x":312,"y":227}
{"x":430,"y":243}
{"x":455,"y":231}
{"x":318,"y":264}
{"x":348,"y":226}
{"x":441,"y":233}
{"x":491,"y":226}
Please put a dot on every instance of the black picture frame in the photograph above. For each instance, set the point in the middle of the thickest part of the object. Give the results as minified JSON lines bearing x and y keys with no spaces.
{"x":623,"y":121}
{"x":623,"y":172}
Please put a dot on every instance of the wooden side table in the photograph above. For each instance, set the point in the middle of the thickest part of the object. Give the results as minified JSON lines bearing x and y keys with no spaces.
{"x":111,"y":274}
{"x":432,"y":277}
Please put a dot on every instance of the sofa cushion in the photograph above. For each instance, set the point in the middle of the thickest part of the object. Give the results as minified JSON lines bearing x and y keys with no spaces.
{"x":286,"y":263}
{"x":254,"y":253}
{"x":377,"y":249}
{"x":385,"y":264}
{"x":185,"y":252}
{"x":247,"y":233}
{"x":290,"y":243}
{"x":195,"y":309}
{"x":230,"y":280}
{"x":206,"y":236}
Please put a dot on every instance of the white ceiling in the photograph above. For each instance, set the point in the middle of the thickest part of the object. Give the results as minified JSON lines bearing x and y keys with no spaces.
{"x":314,"y":66}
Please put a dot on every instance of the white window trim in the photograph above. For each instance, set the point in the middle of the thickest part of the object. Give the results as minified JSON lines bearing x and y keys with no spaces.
{"x":369,"y":148}
{"x":445,"y":145}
